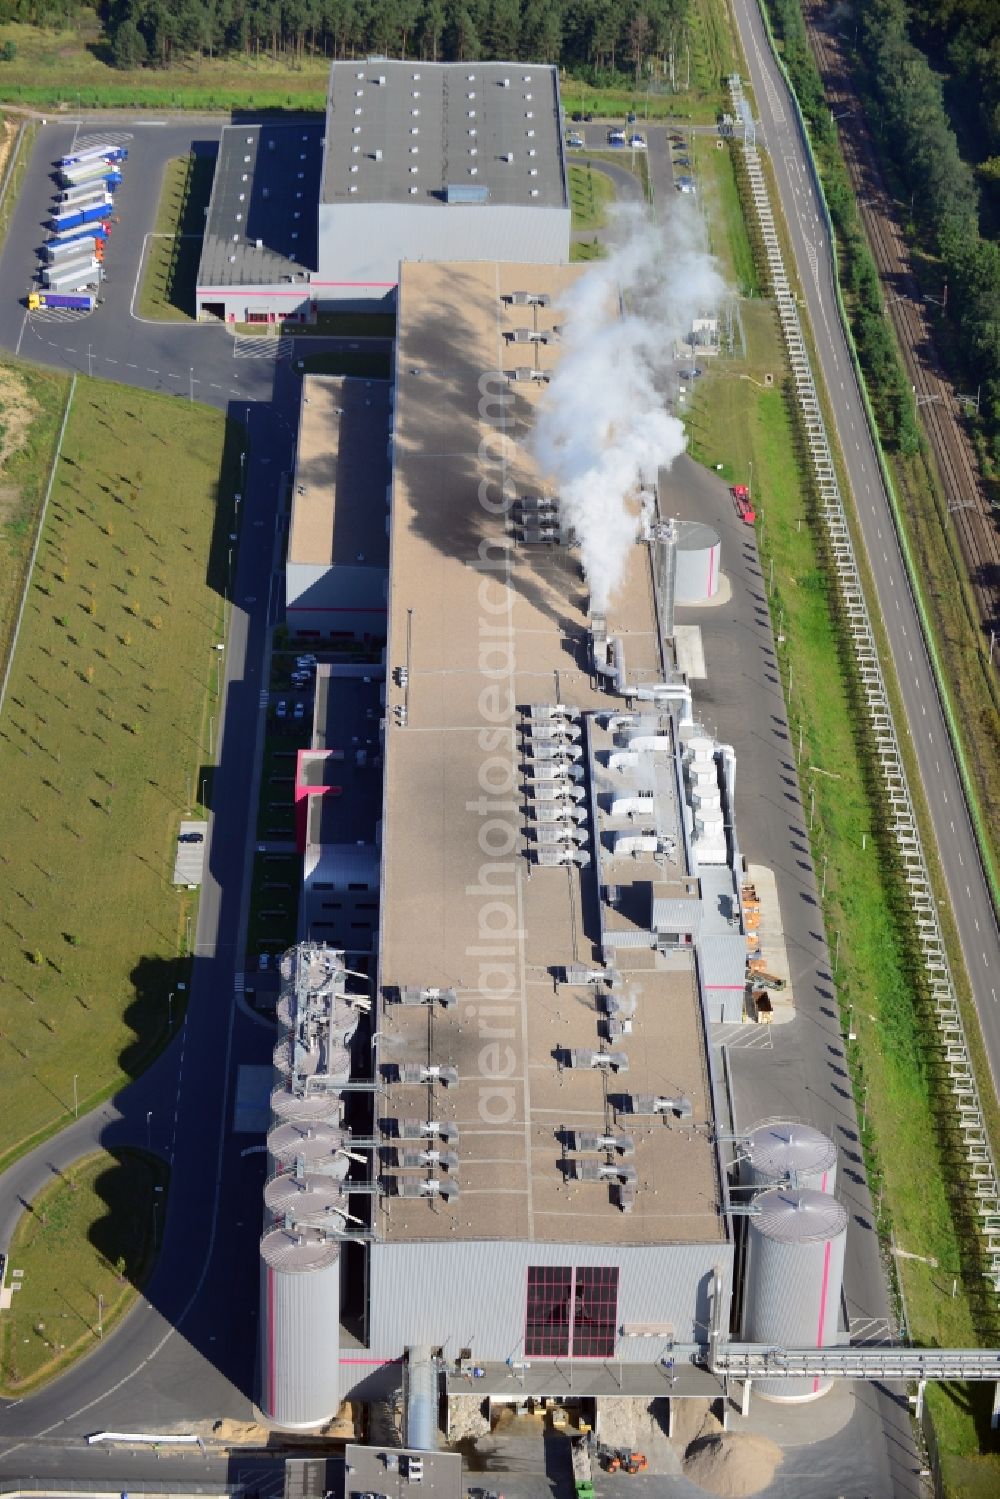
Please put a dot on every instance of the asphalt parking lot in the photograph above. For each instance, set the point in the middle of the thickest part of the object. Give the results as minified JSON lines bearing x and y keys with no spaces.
{"x":193,"y":360}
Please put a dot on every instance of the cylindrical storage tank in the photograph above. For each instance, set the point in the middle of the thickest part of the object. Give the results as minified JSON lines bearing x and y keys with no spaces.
{"x":299,"y":1327}
{"x":792,"y":1153}
{"x":794,"y":1276}
{"x":342,"y":1019}
{"x":317,"y":1145}
{"x":305,"y":1108}
{"x":699,"y":752}
{"x":696,"y":563}
{"x":310,"y":1200}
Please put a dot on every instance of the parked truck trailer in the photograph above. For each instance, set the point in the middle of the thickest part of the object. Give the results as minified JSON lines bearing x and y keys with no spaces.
{"x":77,"y":217}
{"x":74,"y":277}
{"x":68,"y":197}
{"x":82,"y":301}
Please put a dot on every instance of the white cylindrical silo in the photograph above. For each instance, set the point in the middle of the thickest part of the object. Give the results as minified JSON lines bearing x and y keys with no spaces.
{"x":307,"y":1201}
{"x":794,"y":1276}
{"x":696,"y":563}
{"x":795,"y":1154}
{"x":320,"y":1147}
{"x":305,"y":1108}
{"x":299,"y":1327}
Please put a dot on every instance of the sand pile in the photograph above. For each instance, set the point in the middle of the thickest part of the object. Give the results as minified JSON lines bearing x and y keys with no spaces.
{"x":732,"y":1464}
{"x":466,"y":1419}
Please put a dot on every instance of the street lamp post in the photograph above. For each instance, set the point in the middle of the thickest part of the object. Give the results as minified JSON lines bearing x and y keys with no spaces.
{"x":191,"y":382}
{"x":149,"y":1130}
{"x":170,"y":1011}
{"x":76,"y":1101}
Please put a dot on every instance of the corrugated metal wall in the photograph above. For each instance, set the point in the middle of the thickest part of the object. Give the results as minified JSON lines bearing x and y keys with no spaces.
{"x":793,"y":1300}
{"x":361,"y":244}
{"x":300,"y":1345}
{"x":472,"y":1294}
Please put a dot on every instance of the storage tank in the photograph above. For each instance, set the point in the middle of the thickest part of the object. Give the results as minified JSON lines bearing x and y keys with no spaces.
{"x":792,"y":1153}
{"x":342,"y":1017}
{"x":305,"y":1108}
{"x":794,"y":1276}
{"x":299,"y":1327}
{"x":318,"y":1146}
{"x":696,"y":563}
{"x":310,"y":1200}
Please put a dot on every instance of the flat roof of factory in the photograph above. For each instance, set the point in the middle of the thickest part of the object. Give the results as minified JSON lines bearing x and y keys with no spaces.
{"x":484,"y":624}
{"x":265,"y":189}
{"x":341,"y":473}
{"x":402,"y":132}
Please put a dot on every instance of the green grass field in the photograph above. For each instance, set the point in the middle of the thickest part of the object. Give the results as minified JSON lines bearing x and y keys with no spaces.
{"x":728,"y":238}
{"x":590,"y":195}
{"x":174,"y":249}
{"x":85,"y":1246}
{"x":103,"y":733}
{"x":31,"y":409}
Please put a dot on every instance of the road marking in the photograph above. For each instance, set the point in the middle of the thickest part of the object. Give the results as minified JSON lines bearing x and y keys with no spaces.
{"x":111,"y":361}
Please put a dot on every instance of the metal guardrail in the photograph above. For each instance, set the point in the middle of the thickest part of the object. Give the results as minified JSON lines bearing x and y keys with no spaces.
{"x":874,"y":1361}
{"x":902,"y":817}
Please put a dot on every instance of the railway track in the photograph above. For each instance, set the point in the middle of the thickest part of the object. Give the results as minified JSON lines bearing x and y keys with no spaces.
{"x":940,"y":411}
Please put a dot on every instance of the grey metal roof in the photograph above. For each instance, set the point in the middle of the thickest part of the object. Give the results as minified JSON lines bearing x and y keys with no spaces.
{"x":261,"y":225}
{"x":406,"y":132}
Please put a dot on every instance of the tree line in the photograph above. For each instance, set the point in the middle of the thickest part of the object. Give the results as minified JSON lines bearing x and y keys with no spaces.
{"x":906,"y":105}
{"x":602,"y":42}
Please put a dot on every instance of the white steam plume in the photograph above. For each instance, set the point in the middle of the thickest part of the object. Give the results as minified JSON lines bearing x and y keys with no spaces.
{"x":602,"y":422}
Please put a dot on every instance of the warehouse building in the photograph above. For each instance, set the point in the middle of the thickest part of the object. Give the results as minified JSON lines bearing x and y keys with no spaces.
{"x":502,"y":1155}
{"x":416,"y":161}
{"x":259,"y":249}
{"x":336,"y":570}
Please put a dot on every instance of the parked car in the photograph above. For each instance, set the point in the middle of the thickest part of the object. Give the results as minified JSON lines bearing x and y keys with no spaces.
{"x":263,"y":959}
{"x":299,"y":711}
{"x":679,"y":139}
{"x":281,"y":711}
{"x":575,"y":140}
{"x":191,"y":838}
{"x":637,"y":142}
{"x":616,"y":138}
{"x":630,"y":118}
{"x":682,"y":161}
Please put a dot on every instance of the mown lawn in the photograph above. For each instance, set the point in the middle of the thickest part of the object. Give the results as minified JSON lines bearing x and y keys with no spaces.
{"x":84,"y":1247}
{"x":101,"y":740}
{"x":590,"y":194}
{"x":174,"y":248}
{"x":31,"y":409}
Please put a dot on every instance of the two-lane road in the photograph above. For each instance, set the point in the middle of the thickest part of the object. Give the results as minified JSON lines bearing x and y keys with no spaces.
{"x":968,"y":891}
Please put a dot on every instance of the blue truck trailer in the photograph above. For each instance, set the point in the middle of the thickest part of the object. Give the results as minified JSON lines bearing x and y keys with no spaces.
{"x":80,"y":301}
{"x":78,"y":217}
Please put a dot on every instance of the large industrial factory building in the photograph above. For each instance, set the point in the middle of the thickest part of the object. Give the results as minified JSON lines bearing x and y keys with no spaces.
{"x":418,"y":161}
{"x":494,"y":1159}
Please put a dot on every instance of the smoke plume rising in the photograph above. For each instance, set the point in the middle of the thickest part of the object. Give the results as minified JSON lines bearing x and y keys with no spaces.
{"x":602,"y":422}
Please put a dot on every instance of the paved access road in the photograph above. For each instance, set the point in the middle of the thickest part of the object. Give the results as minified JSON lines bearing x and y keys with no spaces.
{"x":967,"y":887}
{"x":188,"y":1347}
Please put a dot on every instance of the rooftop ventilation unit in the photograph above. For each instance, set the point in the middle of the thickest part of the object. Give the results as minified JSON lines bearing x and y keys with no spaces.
{"x":415,"y":1160}
{"x":551,"y":858}
{"x":430,"y":1188}
{"x":410,"y":995}
{"x":611,"y":1061}
{"x":505,"y":83}
{"x":507,"y":156}
{"x":528,"y":299}
{"x":430,"y":1072}
{"x":585,"y":1139}
{"x":651,"y":1103}
{"x":599,"y":1171}
{"x":427,"y":1129}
